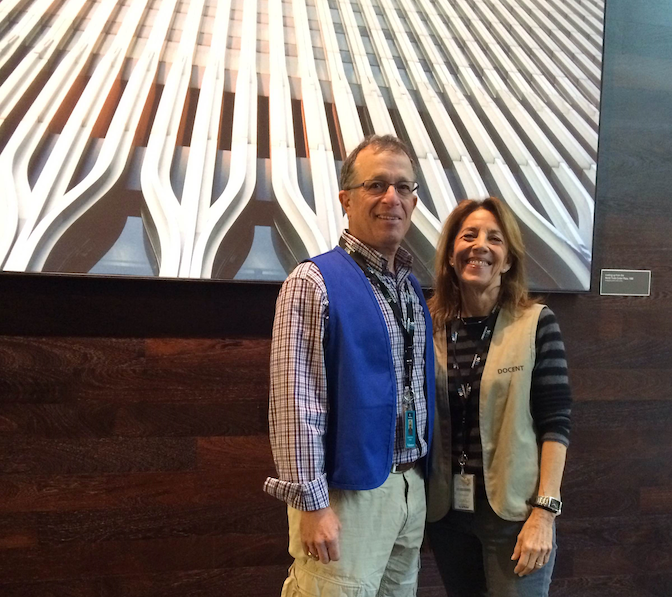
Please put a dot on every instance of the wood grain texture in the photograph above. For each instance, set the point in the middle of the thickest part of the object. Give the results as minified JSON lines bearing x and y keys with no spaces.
{"x":114,"y":370}
{"x":33,"y":493}
{"x":135,"y":467}
{"x":95,"y":456}
{"x":23,"y":529}
{"x":615,"y":585}
{"x":253,"y":581}
{"x":75,"y":560}
{"x":636,"y":384}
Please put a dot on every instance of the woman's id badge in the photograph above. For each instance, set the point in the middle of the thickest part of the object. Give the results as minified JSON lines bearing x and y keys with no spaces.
{"x":463,"y":492}
{"x":410,"y":428}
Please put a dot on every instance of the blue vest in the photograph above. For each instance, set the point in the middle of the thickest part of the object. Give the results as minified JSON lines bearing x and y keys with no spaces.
{"x":361,"y":383}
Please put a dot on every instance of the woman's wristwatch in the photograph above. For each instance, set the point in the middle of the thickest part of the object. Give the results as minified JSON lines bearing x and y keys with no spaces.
{"x":546,"y":502}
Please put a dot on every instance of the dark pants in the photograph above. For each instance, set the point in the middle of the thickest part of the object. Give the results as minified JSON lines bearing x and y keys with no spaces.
{"x":473,"y":554}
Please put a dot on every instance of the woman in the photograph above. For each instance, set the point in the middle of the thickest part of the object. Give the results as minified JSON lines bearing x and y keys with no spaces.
{"x":503,"y":404}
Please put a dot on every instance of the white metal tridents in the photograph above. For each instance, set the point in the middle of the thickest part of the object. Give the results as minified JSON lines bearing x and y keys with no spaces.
{"x":215,"y":221}
{"x":157,"y":189}
{"x":348,"y":117}
{"x":115,"y":151}
{"x":22,"y":202}
{"x":283,"y":150}
{"x":322,"y":166}
{"x":200,"y":172}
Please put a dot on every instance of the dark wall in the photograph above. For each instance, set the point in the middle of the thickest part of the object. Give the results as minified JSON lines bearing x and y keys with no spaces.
{"x":134,"y":467}
{"x":133,"y":413}
{"x":616,"y":535}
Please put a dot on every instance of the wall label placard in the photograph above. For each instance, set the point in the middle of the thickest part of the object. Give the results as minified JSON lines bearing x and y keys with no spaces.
{"x":625,"y":282}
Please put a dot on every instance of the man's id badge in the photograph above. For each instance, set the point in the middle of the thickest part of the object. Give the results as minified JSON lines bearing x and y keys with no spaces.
{"x":463,"y":492}
{"x":409,"y":425}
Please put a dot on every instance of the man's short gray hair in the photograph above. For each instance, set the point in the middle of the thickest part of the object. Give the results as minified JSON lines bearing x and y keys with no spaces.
{"x":378,"y":143}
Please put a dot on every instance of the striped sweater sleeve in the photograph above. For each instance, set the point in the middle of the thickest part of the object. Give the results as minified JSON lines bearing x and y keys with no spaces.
{"x":551,"y":398}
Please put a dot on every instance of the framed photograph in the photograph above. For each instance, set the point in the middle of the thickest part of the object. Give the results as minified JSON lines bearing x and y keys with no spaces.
{"x":204,"y":138}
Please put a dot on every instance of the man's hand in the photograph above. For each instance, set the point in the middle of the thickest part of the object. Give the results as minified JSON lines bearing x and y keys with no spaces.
{"x":320,"y":532}
{"x":535,"y":542}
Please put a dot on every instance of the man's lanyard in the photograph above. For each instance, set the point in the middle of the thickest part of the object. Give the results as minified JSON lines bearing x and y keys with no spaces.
{"x":406,"y":326}
{"x":464,"y":389}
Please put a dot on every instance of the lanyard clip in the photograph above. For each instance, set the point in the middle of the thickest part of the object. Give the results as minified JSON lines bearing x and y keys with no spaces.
{"x":462,"y":461}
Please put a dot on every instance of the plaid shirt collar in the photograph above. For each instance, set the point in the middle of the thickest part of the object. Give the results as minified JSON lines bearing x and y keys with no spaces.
{"x":403,"y":261}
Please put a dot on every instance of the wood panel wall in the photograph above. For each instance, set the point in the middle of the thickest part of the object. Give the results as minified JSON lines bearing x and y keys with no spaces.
{"x":133,"y":434}
{"x":134,"y":467}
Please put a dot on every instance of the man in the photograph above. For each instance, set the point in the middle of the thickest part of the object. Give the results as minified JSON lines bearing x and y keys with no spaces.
{"x":352,"y":398}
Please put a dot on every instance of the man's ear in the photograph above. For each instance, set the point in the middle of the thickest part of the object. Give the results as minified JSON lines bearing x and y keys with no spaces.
{"x":344,"y":198}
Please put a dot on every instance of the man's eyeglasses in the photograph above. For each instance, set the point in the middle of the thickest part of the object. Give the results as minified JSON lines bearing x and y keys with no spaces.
{"x":404,"y":188}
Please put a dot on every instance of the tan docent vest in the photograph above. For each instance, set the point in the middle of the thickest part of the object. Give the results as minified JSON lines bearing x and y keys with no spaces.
{"x":508,"y":437}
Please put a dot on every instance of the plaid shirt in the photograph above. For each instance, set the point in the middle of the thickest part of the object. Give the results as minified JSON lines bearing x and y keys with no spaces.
{"x":299,"y":406}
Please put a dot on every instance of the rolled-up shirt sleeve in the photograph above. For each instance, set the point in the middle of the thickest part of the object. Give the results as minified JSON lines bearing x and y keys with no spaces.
{"x":298,"y":407}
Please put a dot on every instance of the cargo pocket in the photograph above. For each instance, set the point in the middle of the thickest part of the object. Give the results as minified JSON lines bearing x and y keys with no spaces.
{"x":308,"y":583}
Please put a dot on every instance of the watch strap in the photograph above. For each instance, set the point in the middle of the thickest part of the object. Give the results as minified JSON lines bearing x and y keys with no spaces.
{"x":547,"y":503}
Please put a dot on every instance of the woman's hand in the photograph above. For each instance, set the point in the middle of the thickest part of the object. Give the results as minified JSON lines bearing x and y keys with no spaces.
{"x":535,"y":542}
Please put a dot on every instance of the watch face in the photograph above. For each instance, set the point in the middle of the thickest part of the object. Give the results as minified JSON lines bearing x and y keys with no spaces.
{"x":548,"y":503}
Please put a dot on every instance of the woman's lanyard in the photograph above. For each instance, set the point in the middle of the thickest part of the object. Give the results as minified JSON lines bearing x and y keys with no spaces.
{"x":464,"y":388}
{"x":407,"y":328}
